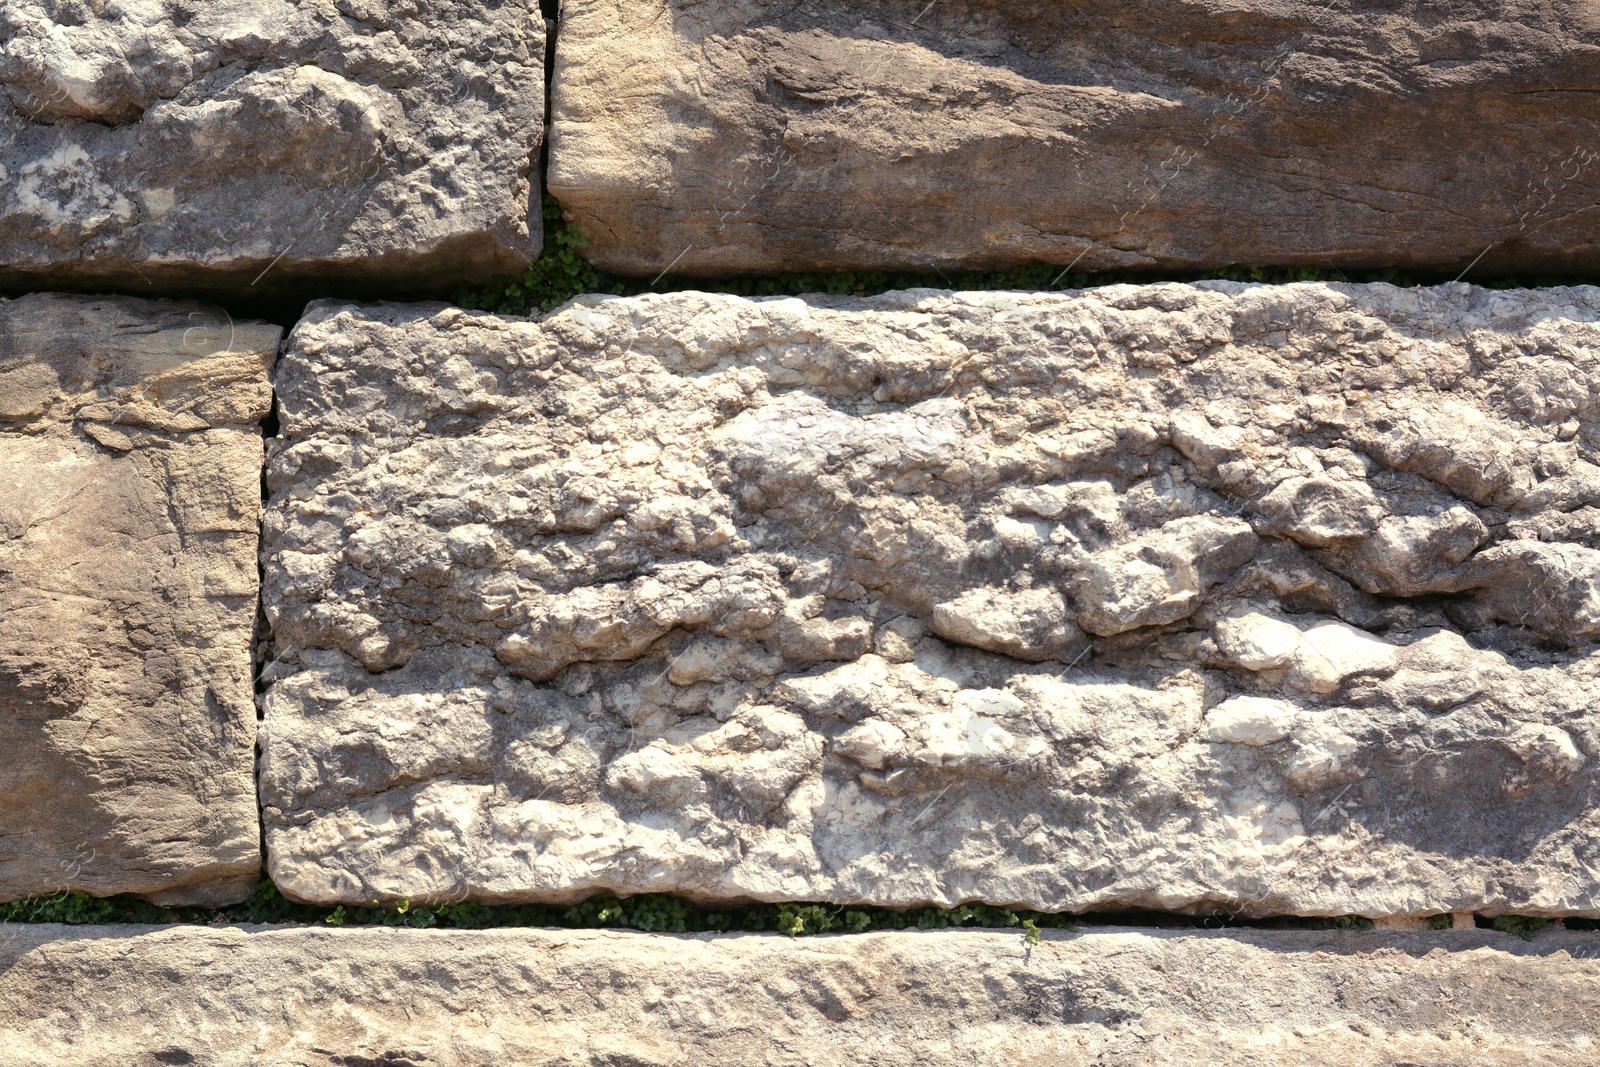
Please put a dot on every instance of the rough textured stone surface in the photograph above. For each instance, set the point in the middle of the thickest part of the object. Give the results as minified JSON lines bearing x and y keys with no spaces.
{"x":357,"y":145}
{"x":142,"y":996}
{"x":719,"y":136}
{"x":130,"y":504}
{"x":1269,"y":599}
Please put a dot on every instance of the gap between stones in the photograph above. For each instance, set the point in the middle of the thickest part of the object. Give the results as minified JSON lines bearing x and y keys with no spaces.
{"x":659,"y":913}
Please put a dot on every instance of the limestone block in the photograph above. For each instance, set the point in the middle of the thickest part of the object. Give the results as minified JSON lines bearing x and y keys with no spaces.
{"x":267,"y":147}
{"x":1062,"y":601}
{"x":716,"y":137}
{"x":297,"y":997}
{"x":130,"y":451}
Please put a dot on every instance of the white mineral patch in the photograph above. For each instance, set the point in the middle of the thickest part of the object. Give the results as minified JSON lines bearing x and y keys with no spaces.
{"x":1331,"y":652}
{"x":64,"y":187}
{"x":1257,"y":642}
{"x":1250,"y":720}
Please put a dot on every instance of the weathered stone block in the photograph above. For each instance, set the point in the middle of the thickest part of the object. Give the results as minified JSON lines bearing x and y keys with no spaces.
{"x":720,"y":136}
{"x":264,"y":147}
{"x":114,"y":996}
{"x":130,"y":456}
{"x":1266,"y":599}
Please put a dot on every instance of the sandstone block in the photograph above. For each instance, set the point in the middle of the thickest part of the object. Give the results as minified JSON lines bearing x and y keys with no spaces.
{"x":267,"y":147}
{"x":1265,"y":599}
{"x":118,"y":996}
{"x":130,"y":453}
{"x":715,"y":137}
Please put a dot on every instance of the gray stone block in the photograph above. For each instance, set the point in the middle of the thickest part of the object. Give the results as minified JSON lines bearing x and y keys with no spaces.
{"x":1217,"y":597}
{"x":266,"y":148}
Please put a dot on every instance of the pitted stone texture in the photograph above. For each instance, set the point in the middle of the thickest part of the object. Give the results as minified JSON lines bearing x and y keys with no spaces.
{"x":1271,"y":599}
{"x":130,"y":456}
{"x":268,"y":147}
{"x":129,"y":996}
{"x":717,"y":137}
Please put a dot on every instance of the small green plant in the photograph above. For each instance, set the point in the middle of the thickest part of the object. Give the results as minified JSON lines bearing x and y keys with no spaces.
{"x":467,"y":915}
{"x":1524,"y":926}
{"x":596,"y":913}
{"x":1440,"y":922}
{"x":80,"y":908}
{"x":560,"y":274}
{"x":1032,"y":929}
{"x":797,"y":919}
{"x":267,"y":905}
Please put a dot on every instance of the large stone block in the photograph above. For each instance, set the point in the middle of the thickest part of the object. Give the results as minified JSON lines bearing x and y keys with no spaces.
{"x":121,"y":996}
{"x":130,"y":456}
{"x":720,"y":136}
{"x":269,"y":147}
{"x":1267,"y":599}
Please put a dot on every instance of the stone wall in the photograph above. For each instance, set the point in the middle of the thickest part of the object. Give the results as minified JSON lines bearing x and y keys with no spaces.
{"x":1178,"y":602}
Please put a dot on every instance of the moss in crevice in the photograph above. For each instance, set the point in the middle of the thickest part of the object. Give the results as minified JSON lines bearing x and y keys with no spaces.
{"x":650,"y":912}
{"x":81,"y":908}
{"x":660,"y":913}
{"x":562,"y":273}
{"x":1524,"y":926}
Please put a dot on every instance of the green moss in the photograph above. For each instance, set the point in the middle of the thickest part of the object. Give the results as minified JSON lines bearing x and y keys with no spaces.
{"x":562,"y":273}
{"x":81,"y":908}
{"x":1524,"y":926}
{"x":654,"y":913}
{"x":649,"y":912}
{"x":1340,"y":922}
